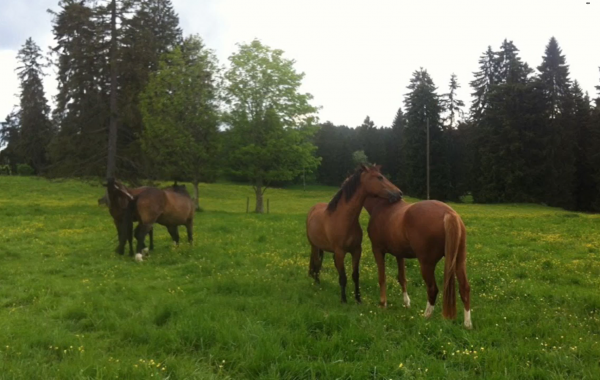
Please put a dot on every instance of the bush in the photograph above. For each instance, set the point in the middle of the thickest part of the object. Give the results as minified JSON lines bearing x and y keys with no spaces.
{"x":5,"y":170}
{"x":24,"y":169}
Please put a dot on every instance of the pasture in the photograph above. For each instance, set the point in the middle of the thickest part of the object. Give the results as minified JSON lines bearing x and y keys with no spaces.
{"x":239,"y":304}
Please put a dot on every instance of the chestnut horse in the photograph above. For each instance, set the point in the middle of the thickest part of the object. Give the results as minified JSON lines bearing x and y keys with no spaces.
{"x":118,"y":198}
{"x":427,"y":231}
{"x":334,"y":227}
{"x":170,"y":207}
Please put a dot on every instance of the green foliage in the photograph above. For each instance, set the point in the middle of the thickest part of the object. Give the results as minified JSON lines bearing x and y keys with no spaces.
{"x":359,"y":157}
{"x":271,"y":121}
{"x":5,"y":170}
{"x":179,"y":108}
{"x":24,"y":169}
{"x":238,"y":304}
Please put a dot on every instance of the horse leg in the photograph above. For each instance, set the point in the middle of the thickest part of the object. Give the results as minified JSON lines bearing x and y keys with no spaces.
{"x":464,"y":288}
{"x":189,"y":226}
{"x":355,"y":273}
{"x":338,"y":257}
{"x":174,"y":232}
{"x":316,"y":260}
{"x":140,"y":235}
{"x":380,"y":260}
{"x":121,"y":247}
{"x":402,"y":280}
{"x":428,"y":273}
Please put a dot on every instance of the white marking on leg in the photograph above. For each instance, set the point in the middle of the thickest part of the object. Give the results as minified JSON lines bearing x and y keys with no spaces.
{"x":145,"y":251}
{"x":428,"y":310}
{"x":406,"y":299}
{"x":138,"y":257}
{"x":468,"y":323}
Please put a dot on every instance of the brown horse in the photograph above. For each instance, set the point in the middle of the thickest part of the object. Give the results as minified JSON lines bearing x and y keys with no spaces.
{"x":427,"y":231}
{"x":170,"y":207}
{"x":118,"y":198}
{"x":334,"y":227}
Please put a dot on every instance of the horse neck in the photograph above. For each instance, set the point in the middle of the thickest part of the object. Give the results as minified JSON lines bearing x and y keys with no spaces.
{"x":372,"y":202}
{"x":350,"y":210}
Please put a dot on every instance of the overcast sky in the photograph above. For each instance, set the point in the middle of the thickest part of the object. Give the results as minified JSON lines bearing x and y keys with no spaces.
{"x":358,"y":56}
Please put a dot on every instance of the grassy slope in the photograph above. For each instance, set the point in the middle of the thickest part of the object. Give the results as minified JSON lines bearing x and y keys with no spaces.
{"x":239,"y":303}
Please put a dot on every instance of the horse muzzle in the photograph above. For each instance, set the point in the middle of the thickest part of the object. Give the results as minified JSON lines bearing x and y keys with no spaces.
{"x":395,"y":196}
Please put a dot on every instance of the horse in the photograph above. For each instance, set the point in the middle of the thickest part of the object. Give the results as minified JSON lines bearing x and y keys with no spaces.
{"x":170,"y":207}
{"x":426,"y":230}
{"x":118,"y":198}
{"x":334,"y":227}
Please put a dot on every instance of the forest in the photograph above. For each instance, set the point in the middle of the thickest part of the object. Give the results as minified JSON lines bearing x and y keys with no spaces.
{"x":139,"y":100}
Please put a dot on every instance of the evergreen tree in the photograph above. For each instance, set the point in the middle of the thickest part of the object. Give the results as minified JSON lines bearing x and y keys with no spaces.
{"x":558,"y":137}
{"x":422,"y":103}
{"x":585,"y":187}
{"x":452,"y":105}
{"x":484,"y":79}
{"x":35,"y":128}
{"x":82,"y":104}
{"x":152,"y":31}
{"x":393,"y":161}
{"x":9,"y":138}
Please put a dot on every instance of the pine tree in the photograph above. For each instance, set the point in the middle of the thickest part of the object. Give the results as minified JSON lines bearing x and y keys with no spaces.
{"x":82,"y":104}
{"x":9,"y":138}
{"x":558,"y":137}
{"x":152,"y":31}
{"x":484,"y":79}
{"x":393,"y":162}
{"x":35,"y":128}
{"x":422,"y":103}
{"x":585,"y":184}
{"x":452,"y":105}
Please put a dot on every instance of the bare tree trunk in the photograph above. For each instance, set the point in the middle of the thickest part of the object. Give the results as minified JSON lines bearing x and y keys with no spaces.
{"x":196,"y":195}
{"x":259,"y":196}
{"x":112,"y":129}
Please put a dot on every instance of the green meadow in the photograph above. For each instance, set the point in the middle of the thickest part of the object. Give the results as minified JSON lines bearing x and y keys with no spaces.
{"x":238,"y":303}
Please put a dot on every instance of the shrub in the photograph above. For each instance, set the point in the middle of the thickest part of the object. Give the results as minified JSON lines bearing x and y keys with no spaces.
{"x":24,"y":169}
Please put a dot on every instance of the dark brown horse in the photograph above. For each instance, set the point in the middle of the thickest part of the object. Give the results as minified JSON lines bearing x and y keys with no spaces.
{"x":170,"y":207}
{"x":334,"y":227}
{"x":427,"y":231}
{"x":119,"y":199}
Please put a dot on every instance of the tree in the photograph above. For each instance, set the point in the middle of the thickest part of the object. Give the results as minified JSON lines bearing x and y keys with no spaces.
{"x":180,"y":113}
{"x":393,"y":161}
{"x":558,"y":137}
{"x":9,"y":137}
{"x":359,"y":157}
{"x":422,"y":104}
{"x":82,"y":107}
{"x":452,"y":105}
{"x":484,"y":79}
{"x":270,"y":119}
{"x":35,"y":128}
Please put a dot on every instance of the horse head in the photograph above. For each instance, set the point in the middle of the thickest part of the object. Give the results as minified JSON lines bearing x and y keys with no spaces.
{"x":376,"y":185}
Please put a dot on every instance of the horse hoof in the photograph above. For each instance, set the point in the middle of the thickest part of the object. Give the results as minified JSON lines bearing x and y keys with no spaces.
{"x":428,"y":310}
{"x":138,"y":257}
{"x":383,"y":305}
{"x":406,"y":300}
{"x":468,"y":325}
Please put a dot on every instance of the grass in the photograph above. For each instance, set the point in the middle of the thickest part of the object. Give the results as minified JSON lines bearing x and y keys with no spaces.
{"x":238,"y":304}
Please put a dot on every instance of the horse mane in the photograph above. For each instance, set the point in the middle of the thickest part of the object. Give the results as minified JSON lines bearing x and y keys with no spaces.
{"x":349,"y":187}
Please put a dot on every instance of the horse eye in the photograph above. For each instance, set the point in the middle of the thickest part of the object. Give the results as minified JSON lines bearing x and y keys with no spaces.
{"x":380,"y":178}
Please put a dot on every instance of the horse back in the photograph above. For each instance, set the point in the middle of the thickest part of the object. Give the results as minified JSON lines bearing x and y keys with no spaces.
{"x":179,"y":208}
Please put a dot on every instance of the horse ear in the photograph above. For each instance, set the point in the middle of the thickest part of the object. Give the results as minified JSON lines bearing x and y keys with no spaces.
{"x":378,"y":167}
{"x":364,"y":167}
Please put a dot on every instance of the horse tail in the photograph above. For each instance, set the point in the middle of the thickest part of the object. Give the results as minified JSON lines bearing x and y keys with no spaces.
{"x":453,"y":236}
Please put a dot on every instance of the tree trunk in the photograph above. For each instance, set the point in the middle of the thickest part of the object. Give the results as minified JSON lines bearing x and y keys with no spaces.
{"x":259,"y":196}
{"x":112,"y":129}
{"x":196,"y":195}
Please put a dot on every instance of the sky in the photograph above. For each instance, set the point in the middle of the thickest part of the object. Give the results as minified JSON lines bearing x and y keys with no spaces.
{"x":357,"y":56}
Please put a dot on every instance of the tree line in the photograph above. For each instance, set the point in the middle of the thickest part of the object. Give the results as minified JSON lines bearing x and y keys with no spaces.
{"x":139,"y":100}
